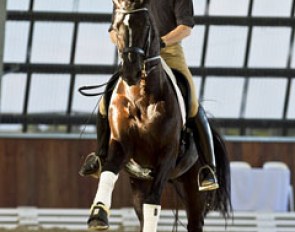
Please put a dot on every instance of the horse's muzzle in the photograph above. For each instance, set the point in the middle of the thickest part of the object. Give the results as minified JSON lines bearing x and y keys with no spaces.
{"x":131,"y":78}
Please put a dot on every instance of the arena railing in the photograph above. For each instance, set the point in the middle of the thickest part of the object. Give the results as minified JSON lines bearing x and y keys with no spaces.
{"x":125,"y":220}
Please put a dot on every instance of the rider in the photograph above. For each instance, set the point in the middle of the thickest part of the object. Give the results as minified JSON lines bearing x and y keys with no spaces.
{"x":174,"y":21}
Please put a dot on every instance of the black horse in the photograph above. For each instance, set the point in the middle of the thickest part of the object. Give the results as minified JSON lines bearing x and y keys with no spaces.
{"x":147,"y":131}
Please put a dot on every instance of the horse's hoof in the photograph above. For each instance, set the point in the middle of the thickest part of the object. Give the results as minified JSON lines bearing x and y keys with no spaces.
{"x":91,"y":166}
{"x":98,"y":219}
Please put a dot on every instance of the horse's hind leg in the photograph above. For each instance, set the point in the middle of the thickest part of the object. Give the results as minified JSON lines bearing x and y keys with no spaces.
{"x":98,"y":219}
{"x":147,"y":194}
{"x":194,"y":200}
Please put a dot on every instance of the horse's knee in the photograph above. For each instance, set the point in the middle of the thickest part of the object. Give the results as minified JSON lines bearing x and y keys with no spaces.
{"x":111,"y":168}
{"x":153,"y":199}
{"x":162,"y":174}
{"x":114,"y":166}
{"x":116,"y":158}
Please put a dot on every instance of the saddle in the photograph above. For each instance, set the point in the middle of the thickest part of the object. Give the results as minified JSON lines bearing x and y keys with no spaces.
{"x":183,"y":86}
{"x":188,"y":153}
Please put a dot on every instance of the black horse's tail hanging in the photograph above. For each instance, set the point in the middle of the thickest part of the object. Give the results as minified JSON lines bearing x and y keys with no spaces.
{"x":222,"y":200}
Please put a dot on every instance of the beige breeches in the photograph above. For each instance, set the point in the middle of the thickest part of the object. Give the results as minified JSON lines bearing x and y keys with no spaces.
{"x":174,"y":57}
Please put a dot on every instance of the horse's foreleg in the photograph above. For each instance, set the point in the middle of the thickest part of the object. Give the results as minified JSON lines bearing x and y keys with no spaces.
{"x":152,"y":207}
{"x":105,"y":188}
{"x":98,"y":219}
{"x":151,"y":215}
{"x":162,"y":172}
{"x":140,"y":189}
{"x":109,"y":174}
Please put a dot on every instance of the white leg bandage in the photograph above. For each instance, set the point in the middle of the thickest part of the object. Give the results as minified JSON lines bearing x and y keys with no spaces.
{"x":105,"y":188}
{"x":151,"y":215}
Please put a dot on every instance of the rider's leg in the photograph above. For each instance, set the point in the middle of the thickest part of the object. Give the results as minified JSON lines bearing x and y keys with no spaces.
{"x":91,"y":165}
{"x":198,"y":121}
{"x":102,"y":129}
{"x":204,"y":141}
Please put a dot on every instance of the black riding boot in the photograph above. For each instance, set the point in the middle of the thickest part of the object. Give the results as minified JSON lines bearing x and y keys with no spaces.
{"x":204,"y":142}
{"x":92,"y":164}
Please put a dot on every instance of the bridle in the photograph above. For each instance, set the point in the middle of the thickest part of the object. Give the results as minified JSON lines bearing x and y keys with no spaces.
{"x":132,"y":49}
{"x":141,"y":51}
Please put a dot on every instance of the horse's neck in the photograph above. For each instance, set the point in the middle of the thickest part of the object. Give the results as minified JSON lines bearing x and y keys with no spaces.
{"x":153,"y":82}
{"x":149,"y":90}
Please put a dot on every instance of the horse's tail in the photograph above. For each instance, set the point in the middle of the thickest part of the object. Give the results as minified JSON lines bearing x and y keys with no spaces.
{"x":221,"y":201}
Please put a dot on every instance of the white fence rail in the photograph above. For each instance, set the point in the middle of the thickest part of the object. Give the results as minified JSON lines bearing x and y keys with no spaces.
{"x":125,"y":220}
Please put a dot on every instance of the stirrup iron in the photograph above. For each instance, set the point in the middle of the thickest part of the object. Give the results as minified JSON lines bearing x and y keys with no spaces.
{"x":211,"y":186}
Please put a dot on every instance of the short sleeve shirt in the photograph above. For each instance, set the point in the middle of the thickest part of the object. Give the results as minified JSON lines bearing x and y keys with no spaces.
{"x":169,"y":14}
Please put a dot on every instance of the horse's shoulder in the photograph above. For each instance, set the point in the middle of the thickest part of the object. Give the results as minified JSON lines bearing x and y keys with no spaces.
{"x":120,"y":88}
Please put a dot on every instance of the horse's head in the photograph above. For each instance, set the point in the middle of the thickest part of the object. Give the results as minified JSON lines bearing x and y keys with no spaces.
{"x":133,"y":23}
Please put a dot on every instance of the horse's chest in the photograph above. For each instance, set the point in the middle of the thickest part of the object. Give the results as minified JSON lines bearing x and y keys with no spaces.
{"x":130,"y":109}
{"x":145,"y":116}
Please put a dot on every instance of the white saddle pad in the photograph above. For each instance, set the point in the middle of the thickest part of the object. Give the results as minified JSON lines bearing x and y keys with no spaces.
{"x":177,"y":90}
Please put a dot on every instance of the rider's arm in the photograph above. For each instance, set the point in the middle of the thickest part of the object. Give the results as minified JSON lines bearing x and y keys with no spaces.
{"x":184,"y":15}
{"x":176,"y":35}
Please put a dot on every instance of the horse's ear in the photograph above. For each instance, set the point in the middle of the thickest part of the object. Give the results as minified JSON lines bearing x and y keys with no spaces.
{"x":116,"y":3}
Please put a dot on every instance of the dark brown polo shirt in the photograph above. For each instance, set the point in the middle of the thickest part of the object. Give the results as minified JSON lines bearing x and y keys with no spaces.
{"x":168,"y":14}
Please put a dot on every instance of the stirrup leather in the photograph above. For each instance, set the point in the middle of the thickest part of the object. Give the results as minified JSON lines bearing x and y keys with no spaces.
{"x":209,"y":186}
